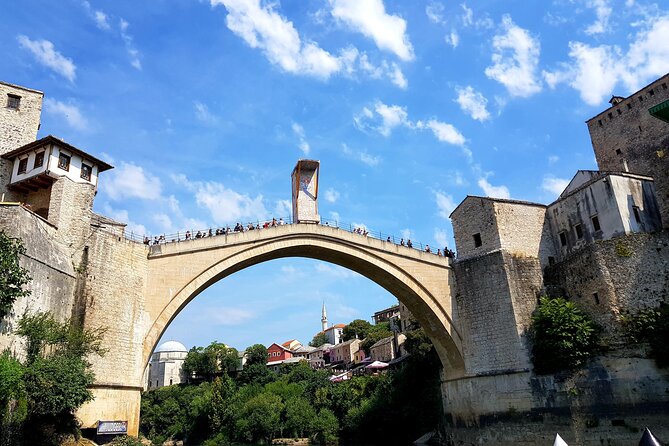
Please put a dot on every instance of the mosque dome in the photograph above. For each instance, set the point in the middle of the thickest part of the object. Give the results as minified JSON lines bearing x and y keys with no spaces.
{"x":171,"y":346}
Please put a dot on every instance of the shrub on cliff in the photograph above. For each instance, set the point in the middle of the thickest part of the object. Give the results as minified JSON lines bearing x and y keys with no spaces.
{"x":13,"y":277}
{"x":563,"y":336}
{"x":651,"y":326}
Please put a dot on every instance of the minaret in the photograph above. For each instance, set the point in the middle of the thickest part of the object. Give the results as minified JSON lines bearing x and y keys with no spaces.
{"x":324,"y":318}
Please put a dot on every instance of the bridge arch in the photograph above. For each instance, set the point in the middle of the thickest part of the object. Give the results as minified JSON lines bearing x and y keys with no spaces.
{"x":179,"y":272}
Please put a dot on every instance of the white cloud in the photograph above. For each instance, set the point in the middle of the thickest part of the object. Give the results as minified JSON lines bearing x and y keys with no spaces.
{"x":554,"y":185}
{"x":129,"y":45}
{"x":515,"y":60}
{"x":441,"y":237}
{"x":467,"y":15}
{"x":354,"y":60}
{"x":443,"y":132}
{"x":334,"y":270}
{"x":435,"y":12}
{"x":46,"y":54}
{"x":369,"y":18}
{"x":493,"y":191}
{"x":131,"y":181}
{"x":225,"y":205}
{"x":452,"y":39}
{"x":229,"y":316}
{"x":122,"y":216}
{"x":552,"y":159}
{"x":594,"y":71}
{"x":406,"y":233}
{"x":473,"y":103}
{"x":331,"y":195}
{"x":203,"y":114}
{"x":283,"y":209}
{"x":263,"y":28}
{"x":361,"y":155}
{"x":303,"y":144}
{"x":335,"y":216}
{"x":69,"y":112}
{"x":457,"y":179}
{"x":391,"y":116}
{"x":164,"y":222}
{"x":101,"y":20}
{"x":467,"y":19}
{"x":445,"y":204}
{"x":603,"y":11}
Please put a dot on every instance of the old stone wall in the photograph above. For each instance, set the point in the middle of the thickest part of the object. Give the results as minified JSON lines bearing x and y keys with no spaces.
{"x":17,"y":127}
{"x":70,"y":210}
{"x":475,"y":215}
{"x":608,"y":402}
{"x":522,"y":229}
{"x":113,"y":286}
{"x":627,"y":137}
{"x":496,"y":295}
{"x":50,"y":266}
{"x":610,"y":278}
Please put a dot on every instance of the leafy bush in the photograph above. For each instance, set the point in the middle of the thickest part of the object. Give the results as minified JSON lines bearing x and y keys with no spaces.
{"x":563,"y":336}
{"x":652,"y":326}
{"x":13,"y":277}
{"x":125,"y":440}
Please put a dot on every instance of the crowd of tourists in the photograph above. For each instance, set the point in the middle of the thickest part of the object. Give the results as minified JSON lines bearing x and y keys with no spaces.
{"x":188,"y":235}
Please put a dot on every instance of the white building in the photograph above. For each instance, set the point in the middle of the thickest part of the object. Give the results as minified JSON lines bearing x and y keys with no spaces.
{"x":166,"y":365}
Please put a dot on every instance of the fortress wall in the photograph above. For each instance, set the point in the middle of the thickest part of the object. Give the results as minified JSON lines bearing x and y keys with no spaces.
{"x":475,"y":215}
{"x":628,"y":273}
{"x":50,"y":266}
{"x":627,"y":133}
{"x":113,"y":286}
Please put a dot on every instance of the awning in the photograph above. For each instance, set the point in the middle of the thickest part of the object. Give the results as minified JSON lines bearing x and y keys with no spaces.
{"x":660,"y":111}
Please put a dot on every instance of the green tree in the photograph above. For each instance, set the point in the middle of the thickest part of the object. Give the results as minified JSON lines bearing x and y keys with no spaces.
{"x":563,"y":336}
{"x":13,"y":277}
{"x":327,"y":427}
{"x":256,"y":374}
{"x":56,"y":375}
{"x":260,"y":418}
{"x":301,"y":417}
{"x":222,"y":391}
{"x":257,"y":354}
{"x":318,"y":340}
{"x":374,"y":336}
{"x":357,"y":328}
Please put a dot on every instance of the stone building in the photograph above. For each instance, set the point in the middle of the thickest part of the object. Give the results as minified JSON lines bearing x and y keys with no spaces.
{"x":386,"y":349}
{"x":344,"y":352}
{"x":166,"y":365}
{"x":631,"y":136}
{"x":386,"y":314}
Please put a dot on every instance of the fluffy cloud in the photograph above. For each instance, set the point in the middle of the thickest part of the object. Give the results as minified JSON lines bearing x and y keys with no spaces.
{"x":226,"y":206}
{"x":129,"y":45}
{"x":452,"y":39}
{"x":131,"y":181}
{"x":69,"y":112}
{"x":264,"y":28}
{"x":122,"y":216}
{"x":299,"y":132}
{"x":46,"y":54}
{"x":435,"y":12}
{"x":331,"y":195}
{"x":203,"y":114}
{"x":369,"y":18}
{"x":230,"y":316}
{"x":385,"y":118}
{"x":441,"y":237}
{"x":361,"y":155}
{"x":445,"y":204}
{"x":554,"y":185}
{"x":443,"y":132}
{"x":594,"y":71}
{"x":515,"y":60}
{"x":603,"y":12}
{"x":473,"y":103}
{"x":354,"y":60}
{"x":493,"y":191}
{"x":101,"y":20}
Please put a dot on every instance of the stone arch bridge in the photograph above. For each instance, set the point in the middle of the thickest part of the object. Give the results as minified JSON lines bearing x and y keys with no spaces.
{"x":135,"y":291}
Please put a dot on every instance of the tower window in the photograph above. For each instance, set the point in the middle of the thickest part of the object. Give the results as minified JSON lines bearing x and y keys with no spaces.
{"x":39,"y":159}
{"x":637,"y":215}
{"x":640,"y":98}
{"x":477,"y":240}
{"x":619,"y":112}
{"x":664,"y":86}
{"x":619,"y":152}
{"x":579,"y":231}
{"x":600,"y":122}
{"x":595,"y":223}
{"x":629,"y":106}
{"x":13,"y":101}
{"x":23,"y":165}
{"x":610,"y":115}
{"x":64,"y":162}
{"x":563,"y":238}
{"x":86,"y":172}
{"x":596,"y":297}
{"x":651,"y":92}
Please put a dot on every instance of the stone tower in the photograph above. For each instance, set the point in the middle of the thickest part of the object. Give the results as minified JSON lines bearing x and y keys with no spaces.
{"x":305,"y":191}
{"x":20,"y":111}
{"x":633,"y":136}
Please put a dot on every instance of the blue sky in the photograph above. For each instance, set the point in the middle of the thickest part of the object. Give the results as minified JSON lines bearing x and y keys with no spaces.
{"x":203,"y":107}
